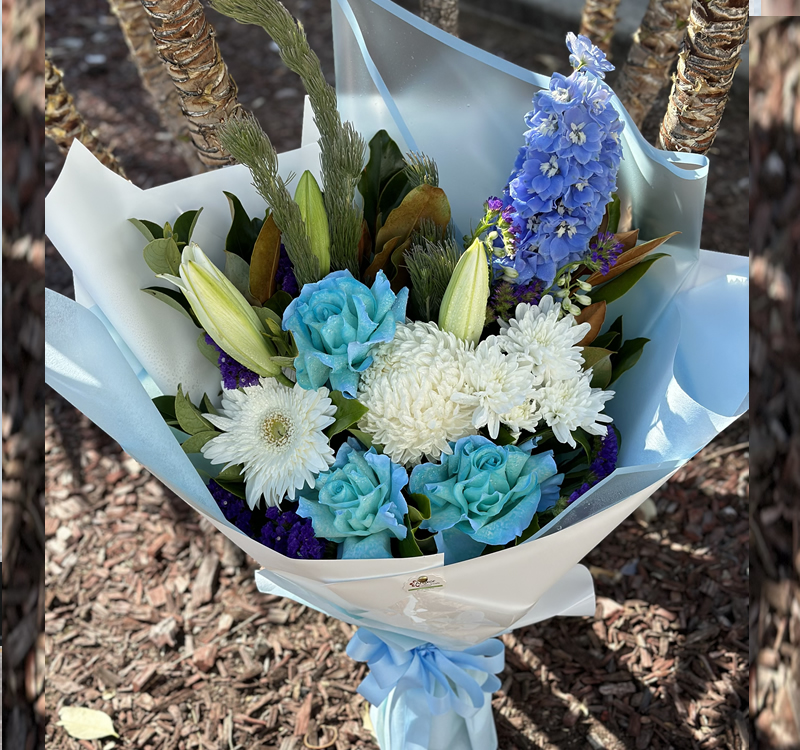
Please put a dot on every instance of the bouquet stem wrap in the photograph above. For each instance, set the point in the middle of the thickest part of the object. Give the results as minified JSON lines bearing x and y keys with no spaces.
{"x":425,"y":697}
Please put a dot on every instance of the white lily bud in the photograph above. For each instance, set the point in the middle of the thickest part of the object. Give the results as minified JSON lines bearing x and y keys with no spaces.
{"x":463,"y":310}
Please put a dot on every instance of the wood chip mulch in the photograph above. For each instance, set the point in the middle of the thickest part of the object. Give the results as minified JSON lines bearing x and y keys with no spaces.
{"x":775,"y":375}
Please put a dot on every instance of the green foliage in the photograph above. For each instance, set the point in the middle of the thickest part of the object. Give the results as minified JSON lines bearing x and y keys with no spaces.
{"x":243,"y":232}
{"x":385,"y":162}
{"x":430,"y":266}
{"x":623,"y":283}
{"x":174,"y":299}
{"x":348,"y":412}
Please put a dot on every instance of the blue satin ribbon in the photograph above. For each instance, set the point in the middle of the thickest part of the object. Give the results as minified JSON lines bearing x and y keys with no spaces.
{"x":432,"y":681}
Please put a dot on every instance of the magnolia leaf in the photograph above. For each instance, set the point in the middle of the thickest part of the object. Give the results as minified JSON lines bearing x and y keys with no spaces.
{"x":594,"y":315}
{"x":86,"y":723}
{"x":149,"y":229}
{"x":380,"y":261}
{"x":392,"y":196}
{"x":423,"y":202}
{"x":174,"y":299}
{"x":244,"y":231}
{"x":583,"y":439}
{"x":385,"y":161}
{"x":208,"y":351}
{"x":194,"y":443}
{"x":162,"y":256}
{"x":364,"y":244}
{"x":185,"y":224}
{"x":613,"y":214}
{"x":348,"y":412}
{"x":629,"y":258}
{"x":264,"y":263}
{"x":188,"y":415}
{"x":421,"y":505}
{"x":627,"y":356}
{"x":599,"y":360}
{"x":628,"y":240}
{"x":622,"y":284}
{"x":400,"y":276}
{"x":408,"y":547}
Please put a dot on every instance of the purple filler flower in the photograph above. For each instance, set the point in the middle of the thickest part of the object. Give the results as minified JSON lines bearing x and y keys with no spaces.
{"x":494,"y":204}
{"x":233,"y":508}
{"x":287,"y":533}
{"x":605,"y":251}
{"x":234,"y":374}
{"x":603,"y":463}
{"x":285,"y":275}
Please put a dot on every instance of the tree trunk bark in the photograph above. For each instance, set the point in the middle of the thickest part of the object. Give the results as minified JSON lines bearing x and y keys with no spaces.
{"x":598,"y":21}
{"x":136,"y":29}
{"x":185,"y":41}
{"x":63,"y":123}
{"x":652,"y":55}
{"x":711,"y":52}
{"x":441,"y":13}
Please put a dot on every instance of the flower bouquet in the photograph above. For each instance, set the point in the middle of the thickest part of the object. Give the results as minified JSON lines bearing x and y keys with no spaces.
{"x":397,"y":397}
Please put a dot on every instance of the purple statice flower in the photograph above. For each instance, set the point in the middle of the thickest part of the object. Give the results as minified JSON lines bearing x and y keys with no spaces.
{"x":585,"y":56}
{"x":233,"y":508}
{"x":287,"y":533}
{"x":234,"y":374}
{"x":505,"y":297}
{"x":603,"y":463}
{"x":285,"y":275}
{"x":605,"y":251}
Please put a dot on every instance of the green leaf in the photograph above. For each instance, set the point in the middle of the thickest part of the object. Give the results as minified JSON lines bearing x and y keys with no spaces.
{"x":237,"y":271}
{"x":244,"y":231}
{"x":149,"y":229}
{"x":600,"y":362}
{"x":392,"y":196}
{"x":166,"y":408}
{"x":606,"y":341}
{"x":163,"y":256}
{"x":627,"y":357}
{"x":206,"y":405}
{"x":504,"y":436}
{"x":365,"y":439}
{"x":174,"y":299}
{"x":283,"y":361}
{"x":613,"y":209}
{"x":582,"y":439}
{"x":86,"y":723}
{"x":348,"y":412}
{"x":236,"y":488}
{"x":385,"y":161}
{"x":231,"y":474}
{"x":420,"y":505}
{"x":278,"y":302}
{"x":408,"y":547}
{"x":208,"y":351}
{"x":185,"y":224}
{"x":194,"y":443}
{"x":615,"y":288}
{"x":188,"y":415}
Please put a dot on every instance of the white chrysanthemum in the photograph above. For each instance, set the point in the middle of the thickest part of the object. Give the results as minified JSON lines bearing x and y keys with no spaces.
{"x":522,"y":417}
{"x":565,"y":405}
{"x":544,"y":340}
{"x":275,"y":432}
{"x":496,"y":384}
{"x":409,"y":391}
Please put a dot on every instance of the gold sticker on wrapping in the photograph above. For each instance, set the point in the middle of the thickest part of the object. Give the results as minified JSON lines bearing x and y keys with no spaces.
{"x":423,"y":583}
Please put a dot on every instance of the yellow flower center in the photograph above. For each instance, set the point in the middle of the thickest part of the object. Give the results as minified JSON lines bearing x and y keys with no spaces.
{"x":277,"y":430}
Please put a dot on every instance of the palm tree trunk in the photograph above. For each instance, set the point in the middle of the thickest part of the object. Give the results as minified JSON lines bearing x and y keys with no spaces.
{"x":711,"y":51}
{"x":652,"y":55}
{"x":441,"y":13}
{"x":63,"y":123}
{"x":185,"y":41}
{"x":597,"y":22}
{"x":138,"y":34}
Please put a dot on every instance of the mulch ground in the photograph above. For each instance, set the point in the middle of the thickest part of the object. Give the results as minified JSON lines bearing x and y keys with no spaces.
{"x":775,"y":375}
{"x":153,"y":618}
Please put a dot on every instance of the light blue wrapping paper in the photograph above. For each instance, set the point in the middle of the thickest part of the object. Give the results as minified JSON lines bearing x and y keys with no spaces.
{"x":112,"y":350}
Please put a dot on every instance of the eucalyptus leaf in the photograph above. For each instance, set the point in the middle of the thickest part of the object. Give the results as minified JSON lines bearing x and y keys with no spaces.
{"x":185,"y":224}
{"x":163,"y":256}
{"x":188,"y":415}
{"x":194,"y":443}
{"x":149,"y":229}
{"x":615,"y":288}
{"x":242,"y":235}
{"x":627,"y":357}
{"x":174,"y":299}
{"x":348,"y":412}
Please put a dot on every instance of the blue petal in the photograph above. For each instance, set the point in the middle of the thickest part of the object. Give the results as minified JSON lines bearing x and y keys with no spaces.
{"x":457,"y":546}
{"x":377,"y":546}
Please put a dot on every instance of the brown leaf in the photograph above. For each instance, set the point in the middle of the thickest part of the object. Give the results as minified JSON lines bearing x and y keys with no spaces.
{"x":264,"y":262}
{"x":364,"y":244}
{"x":629,"y":258}
{"x":380,"y":260}
{"x":594,"y":315}
{"x":627,"y":239}
{"x":423,"y":202}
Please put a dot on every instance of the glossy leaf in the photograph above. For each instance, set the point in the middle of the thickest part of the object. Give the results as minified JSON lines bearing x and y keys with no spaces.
{"x":594,"y":315}
{"x":185,"y":224}
{"x":380,"y":261}
{"x":237,"y":271}
{"x":149,"y":229}
{"x":629,"y":258}
{"x":163,"y":256}
{"x":244,"y":231}
{"x":622,"y":284}
{"x":278,"y":302}
{"x":365,"y":439}
{"x":628,"y":355}
{"x":188,"y":415}
{"x":600,"y":362}
{"x":348,"y":412}
{"x":385,"y":161}
{"x":194,"y":443}
{"x":613,"y":212}
{"x":392,"y":195}
{"x":166,"y":408}
{"x":264,"y":261}
{"x":174,"y":299}
{"x":585,"y":442}
{"x":408,"y":547}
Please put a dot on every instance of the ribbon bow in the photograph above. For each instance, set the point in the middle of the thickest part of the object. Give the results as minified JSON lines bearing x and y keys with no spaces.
{"x":433,"y":681}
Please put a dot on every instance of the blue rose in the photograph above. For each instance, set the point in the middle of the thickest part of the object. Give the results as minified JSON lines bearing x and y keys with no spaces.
{"x":358,"y":502}
{"x":483,"y":494}
{"x":336,"y":322}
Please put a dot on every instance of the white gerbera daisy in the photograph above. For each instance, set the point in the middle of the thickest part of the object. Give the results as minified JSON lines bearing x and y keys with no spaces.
{"x":544,"y":340}
{"x":565,"y":405}
{"x":275,"y":432}
{"x":409,"y":390}
{"x":496,"y":384}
